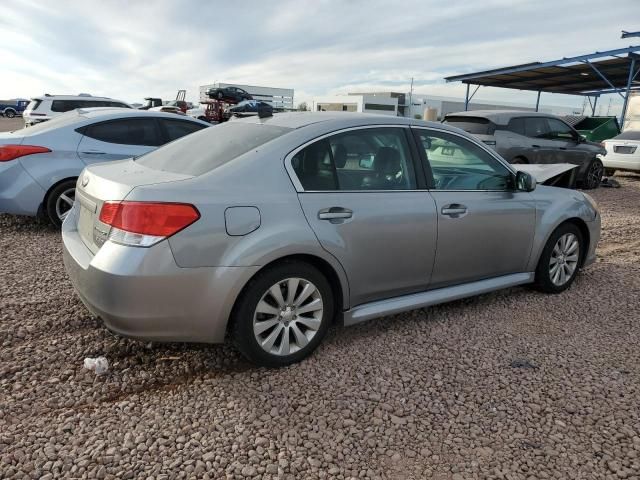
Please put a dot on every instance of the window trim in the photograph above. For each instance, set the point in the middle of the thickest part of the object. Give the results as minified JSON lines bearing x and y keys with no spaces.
{"x":300,"y":189}
{"x":575,"y":133}
{"x":159,"y":132}
{"x":164,"y":134}
{"x":492,"y":153}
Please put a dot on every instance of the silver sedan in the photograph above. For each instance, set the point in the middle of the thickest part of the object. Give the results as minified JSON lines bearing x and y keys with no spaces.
{"x":39,"y":165}
{"x":268,"y":229}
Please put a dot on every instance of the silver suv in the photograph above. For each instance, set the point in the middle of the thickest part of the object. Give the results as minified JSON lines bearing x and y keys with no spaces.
{"x":268,"y":229}
{"x":46,"y":107}
{"x":530,"y":137}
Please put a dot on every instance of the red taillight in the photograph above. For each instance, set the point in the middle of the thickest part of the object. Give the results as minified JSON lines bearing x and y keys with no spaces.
{"x":11,"y":152}
{"x":149,"y":218}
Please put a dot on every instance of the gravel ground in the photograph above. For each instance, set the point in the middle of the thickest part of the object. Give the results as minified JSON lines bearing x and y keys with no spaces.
{"x":509,"y":385}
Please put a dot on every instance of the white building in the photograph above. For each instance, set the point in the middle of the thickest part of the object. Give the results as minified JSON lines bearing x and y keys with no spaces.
{"x":367,"y":103}
{"x":277,"y":97}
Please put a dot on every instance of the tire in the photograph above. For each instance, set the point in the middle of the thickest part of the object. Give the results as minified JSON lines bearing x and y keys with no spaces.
{"x":304,"y":330}
{"x":594,"y":174}
{"x":546,"y":279}
{"x":59,"y":201}
{"x":9,"y":113}
{"x":519,"y":161}
{"x":609,"y":172}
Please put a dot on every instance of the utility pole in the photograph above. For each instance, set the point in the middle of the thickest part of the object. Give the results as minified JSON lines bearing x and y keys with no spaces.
{"x":411,"y":98}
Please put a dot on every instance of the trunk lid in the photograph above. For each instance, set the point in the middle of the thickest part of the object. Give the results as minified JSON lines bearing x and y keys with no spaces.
{"x":110,"y":181}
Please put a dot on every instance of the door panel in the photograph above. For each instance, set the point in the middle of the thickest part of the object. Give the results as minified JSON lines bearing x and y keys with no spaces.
{"x":485,"y":227}
{"x":386,"y":247}
{"x":493,"y":237}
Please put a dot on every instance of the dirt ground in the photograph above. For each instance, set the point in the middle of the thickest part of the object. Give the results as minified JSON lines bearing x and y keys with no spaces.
{"x":510,"y":385}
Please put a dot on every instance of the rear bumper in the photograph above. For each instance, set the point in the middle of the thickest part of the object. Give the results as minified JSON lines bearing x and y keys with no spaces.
{"x":19,"y":193}
{"x":622,"y":162}
{"x":142,"y":293}
{"x":594,"y":238}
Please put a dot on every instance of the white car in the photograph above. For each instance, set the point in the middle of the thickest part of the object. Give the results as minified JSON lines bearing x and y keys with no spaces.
{"x":46,"y":107}
{"x":167,"y":109}
{"x":623,"y":153}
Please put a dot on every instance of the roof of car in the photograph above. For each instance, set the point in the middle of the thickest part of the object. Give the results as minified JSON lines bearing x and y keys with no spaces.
{"x":340,"y":119}
{"x":499,"y":116}
{"x":75,"y":97}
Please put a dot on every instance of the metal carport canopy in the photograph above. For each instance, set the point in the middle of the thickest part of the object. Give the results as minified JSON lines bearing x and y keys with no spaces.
{"x":592,"y":75}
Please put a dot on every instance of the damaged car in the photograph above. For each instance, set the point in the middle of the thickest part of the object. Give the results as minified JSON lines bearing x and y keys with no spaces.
{"x":523,"y":137}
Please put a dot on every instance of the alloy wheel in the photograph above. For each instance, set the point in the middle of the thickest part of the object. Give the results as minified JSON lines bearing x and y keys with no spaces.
{"x":288,"y":316}
{"x":564,"y":259}
{"x":594,"y":175}
{"x":64,"y":203}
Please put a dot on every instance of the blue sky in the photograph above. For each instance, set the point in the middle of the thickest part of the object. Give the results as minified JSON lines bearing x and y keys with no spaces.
{"x":129,"y":50}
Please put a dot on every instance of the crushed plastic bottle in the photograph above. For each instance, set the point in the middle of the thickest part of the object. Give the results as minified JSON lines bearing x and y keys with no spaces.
{"x":100,"y":365}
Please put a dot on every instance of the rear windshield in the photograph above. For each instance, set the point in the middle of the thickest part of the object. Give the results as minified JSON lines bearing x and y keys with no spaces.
{"x":34,"y":104}
{"x":473,"y":125}
{"x":203,"y":151}
{"x":628,"y":135}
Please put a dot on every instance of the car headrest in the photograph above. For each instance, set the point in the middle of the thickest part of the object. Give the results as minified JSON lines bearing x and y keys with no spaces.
{"x":387,"y":161}
{"x":340,"y":156}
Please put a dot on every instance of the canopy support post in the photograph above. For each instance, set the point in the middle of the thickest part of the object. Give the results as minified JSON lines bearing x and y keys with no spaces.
{"x":593,"y":107}
{"x":466,"y":99}
{"x":538,"y":100}
{"x":626,"y":93}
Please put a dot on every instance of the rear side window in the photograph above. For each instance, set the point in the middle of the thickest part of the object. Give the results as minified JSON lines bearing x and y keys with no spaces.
{"x":130,"y":131}
{"x":66,"y":105}
{"x":536,"y":127}
{"x":179,"y":128}
{"x":208,"y":149}
{"x":472,"y":125}
{"x":516,"y":125}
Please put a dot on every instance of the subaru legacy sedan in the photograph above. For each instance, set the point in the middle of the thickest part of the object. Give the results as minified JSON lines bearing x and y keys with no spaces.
{"x":265,"y":230}
{"x":39,"y":165}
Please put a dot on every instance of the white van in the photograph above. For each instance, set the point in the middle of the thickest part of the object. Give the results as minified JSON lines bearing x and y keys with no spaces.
{"x":44,"y":108}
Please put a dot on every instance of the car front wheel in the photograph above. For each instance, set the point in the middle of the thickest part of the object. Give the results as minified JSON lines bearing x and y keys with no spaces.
{"x":594,"y":174}
{"x":283,"y":314}
{"x":560,"y":259}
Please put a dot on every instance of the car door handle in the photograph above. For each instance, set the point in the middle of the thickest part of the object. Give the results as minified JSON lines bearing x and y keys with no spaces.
{"x":454,"y":210}
{"x":334,"y":213}
{"x":562,"y":148}
{"x":535,"y":146}
{"x":91,"y":152}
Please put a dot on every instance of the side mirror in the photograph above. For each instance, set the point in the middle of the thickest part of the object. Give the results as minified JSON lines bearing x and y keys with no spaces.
{"x":581,"y":139}
{"x":525,"y":182}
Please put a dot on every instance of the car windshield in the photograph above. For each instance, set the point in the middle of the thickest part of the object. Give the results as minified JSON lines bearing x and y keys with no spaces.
{"x":472,"y":125}
{"x":206,"y":150}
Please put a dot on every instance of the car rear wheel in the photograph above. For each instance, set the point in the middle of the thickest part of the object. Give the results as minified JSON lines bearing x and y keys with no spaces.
{"x":220,"y":95}
{"x":9,"y":113}
{"x":560,"y":259}
{"x":282,"y":315}
{"x":594,"y":174}
{"x":60,"y":201}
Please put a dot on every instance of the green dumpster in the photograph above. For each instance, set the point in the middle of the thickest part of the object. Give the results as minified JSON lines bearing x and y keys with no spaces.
{"x":598,"y":129}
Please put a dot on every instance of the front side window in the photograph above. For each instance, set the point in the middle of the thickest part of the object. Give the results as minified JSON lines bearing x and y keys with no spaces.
{"x":363,"y":159}
{"x":459,"y":164}
{"x":559,"y":130}
{"x":130,"y":131}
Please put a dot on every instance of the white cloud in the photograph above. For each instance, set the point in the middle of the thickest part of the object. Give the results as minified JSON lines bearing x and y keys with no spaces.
{"x":129,"y":50}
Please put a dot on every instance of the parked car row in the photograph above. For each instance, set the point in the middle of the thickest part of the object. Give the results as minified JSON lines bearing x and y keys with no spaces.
{"x":523,"y":137}
{"x":39,"y":165}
